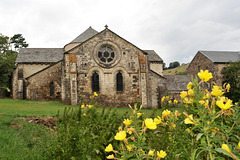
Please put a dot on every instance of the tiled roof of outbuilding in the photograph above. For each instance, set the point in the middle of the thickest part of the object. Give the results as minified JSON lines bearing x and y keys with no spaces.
{"x":153,"y":56}
{"x":221,"y":56}
{"x":40,"y":55}
{"x":177,"y":82}
{"x":89,"y":33}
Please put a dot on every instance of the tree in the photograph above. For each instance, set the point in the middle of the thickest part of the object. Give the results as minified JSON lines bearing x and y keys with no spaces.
{"x":231,"y":75}
{"x":8,"y":58}
{"x":164,"y":66}
{"x":174,"y":64}
{"x":18,"y":41}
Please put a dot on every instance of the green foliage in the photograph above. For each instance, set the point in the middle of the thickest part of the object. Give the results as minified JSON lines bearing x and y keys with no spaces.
{"x":8,"y":57}
{"x":83,"y":133}
{"x":174,"y":64}
{"x":231,"y":75}
{"x":18,"y":41}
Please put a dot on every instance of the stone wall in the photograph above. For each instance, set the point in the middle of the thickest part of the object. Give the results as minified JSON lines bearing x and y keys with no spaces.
{"x":82,"y":62}
{"x":38,"y":85}
{"x":157,"y":67}
{"x":154,"y":89}
{"x":201,"y":62}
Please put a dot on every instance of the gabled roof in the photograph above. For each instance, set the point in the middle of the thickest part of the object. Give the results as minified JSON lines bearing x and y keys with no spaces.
{"x":221,"y":56}
{"x":40,"y":55}
{"x":153,"y":56}
{"x":90,"y":32}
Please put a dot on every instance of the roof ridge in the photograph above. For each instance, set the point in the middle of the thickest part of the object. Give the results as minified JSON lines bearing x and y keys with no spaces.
{"x":88,"y":33}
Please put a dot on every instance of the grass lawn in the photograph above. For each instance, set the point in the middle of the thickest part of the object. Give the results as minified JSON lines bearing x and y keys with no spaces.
{"x":24,"y":140}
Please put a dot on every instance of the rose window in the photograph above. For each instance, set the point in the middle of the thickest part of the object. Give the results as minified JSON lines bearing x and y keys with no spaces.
{"x":106,"y":54}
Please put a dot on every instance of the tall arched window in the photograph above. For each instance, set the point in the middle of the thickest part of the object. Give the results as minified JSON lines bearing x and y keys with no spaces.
{"x":119,"y":78}
{"x":52,"y":89}
{"x":95,"y":82}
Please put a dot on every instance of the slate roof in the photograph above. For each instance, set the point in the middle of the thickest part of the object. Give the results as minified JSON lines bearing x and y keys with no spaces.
{"x":89,"y":33}
{"x":40,"y":55}
{"x":221,"y":56}
{"x":177,"y":82}
{"x":153,"y":56}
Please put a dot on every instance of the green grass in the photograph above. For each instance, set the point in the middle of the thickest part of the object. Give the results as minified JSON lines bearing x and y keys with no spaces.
{"x":26,"y":140}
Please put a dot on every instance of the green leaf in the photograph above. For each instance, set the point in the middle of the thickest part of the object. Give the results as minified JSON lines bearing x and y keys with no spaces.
{"x":220,"y":150}
{"x":199,"y":136}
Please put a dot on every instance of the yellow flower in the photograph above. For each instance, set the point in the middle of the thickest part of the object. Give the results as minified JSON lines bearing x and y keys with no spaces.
{"x":121,"y":135}
{"x":188,"y":100}
{"x":220,"y":103}
{"x":157,"y":120}
{"x":206,"y":96}
{"x":95,"y":94}
{"x":206,"y":103}
{"x":201,"y":102}
{"x":82,"y":106}
{"x":129,"y":147}
{"x":177,"y":113}
{"x":130,"y":130}
{"x":217,"y":91}
{"x":225,"y":146}
{"x":205,"y":75}
{"x":188,"y":130}
{"x":189,"y":120}
{"x":228,"y":87}
{"x":89,"y":106}
{"x":163,"y":98}
{"x":191,"y":92}
{"x":174,"y":125}
{"x":175,"y":101}
{"x":238,"y":146}
{"x":166,"y":113}
{"x":150,"y":124}
{"x":109,"y":148}
{"x":189,"y":86}
{"x":167,"y":97}
{"x":161,"y":154}
{"x":127,"y":122}
{"x":169,"y":101}
{"x":138,"y":115}
{"x":110,"y":156}
{"x":151,"y":153}
{"x":84,"y":114}
{"x":183,"y":94}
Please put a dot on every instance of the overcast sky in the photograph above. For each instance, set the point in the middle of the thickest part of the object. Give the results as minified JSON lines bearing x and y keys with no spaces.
{"x":175,"y":29}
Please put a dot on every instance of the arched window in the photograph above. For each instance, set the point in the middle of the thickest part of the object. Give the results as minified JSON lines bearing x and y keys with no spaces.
{"x":52,"y":89}
{"x":95,"y":82}
{"x":119,"y":78}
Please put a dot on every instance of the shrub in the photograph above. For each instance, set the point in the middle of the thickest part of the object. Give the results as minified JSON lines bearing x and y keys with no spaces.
{"x":83,"y":133}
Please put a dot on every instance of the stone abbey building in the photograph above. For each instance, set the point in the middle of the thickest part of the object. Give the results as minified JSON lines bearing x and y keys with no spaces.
{"x":101,"y":62}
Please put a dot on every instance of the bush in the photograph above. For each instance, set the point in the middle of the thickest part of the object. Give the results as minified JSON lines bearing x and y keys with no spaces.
{"x":83,"y":133}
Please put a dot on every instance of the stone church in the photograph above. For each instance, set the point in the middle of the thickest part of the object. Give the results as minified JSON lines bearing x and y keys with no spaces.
{"x":102,"y":62}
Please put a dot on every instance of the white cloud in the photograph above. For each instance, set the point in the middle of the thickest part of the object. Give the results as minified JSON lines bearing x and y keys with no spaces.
{"x":175,"y":29}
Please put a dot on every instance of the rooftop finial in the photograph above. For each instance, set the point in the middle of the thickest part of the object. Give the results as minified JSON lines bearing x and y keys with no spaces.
{"x":106,"y":26}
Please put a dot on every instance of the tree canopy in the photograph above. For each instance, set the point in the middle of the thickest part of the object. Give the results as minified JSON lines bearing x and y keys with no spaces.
{"x":231,"y":75}
{"x":8,"y":57}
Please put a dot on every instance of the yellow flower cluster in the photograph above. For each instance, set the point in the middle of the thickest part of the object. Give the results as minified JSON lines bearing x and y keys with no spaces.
{"x":130,"y":129}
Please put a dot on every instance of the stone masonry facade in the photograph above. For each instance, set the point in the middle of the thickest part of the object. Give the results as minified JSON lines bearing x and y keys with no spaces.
{"x":102,"y":62}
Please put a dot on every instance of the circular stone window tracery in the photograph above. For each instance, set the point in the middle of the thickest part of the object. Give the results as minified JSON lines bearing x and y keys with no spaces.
{"x":107,"y":54}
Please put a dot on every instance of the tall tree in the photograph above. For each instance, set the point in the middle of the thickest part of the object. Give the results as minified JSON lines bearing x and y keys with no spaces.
{"x":231,"y":75}
{"x":8,"y":58}
{"x":18,"y":42}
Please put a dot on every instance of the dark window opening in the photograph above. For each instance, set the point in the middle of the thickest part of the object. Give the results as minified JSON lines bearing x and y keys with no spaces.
{"x":51,"y":89}
{"x":119,"y":81}
{"x":95,"y":82}
{"x":20,"y":73}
